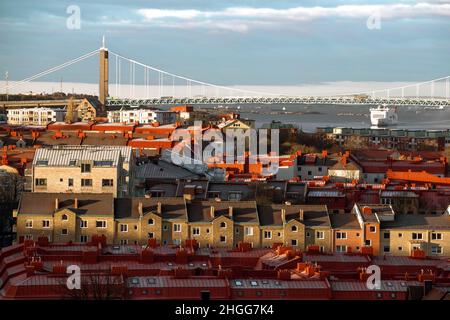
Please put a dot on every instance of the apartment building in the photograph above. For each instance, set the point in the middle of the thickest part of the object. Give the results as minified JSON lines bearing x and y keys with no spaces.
{"x":170,"y":221}
{"x":141,"y":115}
{"x":35,"y":116}
{"x":388,"y":233}
{"x":370,"y":229}
{"x":64,"y":217}
{"x":84,"y":169}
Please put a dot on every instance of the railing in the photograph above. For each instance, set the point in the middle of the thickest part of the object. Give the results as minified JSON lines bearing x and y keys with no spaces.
{"x":283,"y":100}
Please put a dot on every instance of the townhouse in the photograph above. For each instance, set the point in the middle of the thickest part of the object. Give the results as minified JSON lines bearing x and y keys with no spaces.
{"x":384,"y":232}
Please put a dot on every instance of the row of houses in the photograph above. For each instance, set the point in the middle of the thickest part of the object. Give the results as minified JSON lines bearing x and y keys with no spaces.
{"x":376,"y":228}
{"x":400,"y":139}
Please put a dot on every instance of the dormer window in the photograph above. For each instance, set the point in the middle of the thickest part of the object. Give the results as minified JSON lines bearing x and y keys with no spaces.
{"x":294,"y":229}
{"x":64,"y":217}
{"x":223,"y":224}
{"x":151,"y":221}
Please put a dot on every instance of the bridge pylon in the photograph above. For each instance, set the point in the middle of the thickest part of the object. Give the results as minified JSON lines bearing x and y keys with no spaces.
{"x":104,"y":72}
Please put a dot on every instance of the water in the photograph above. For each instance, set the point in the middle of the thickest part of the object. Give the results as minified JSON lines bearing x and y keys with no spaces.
{"x":309,"y":117}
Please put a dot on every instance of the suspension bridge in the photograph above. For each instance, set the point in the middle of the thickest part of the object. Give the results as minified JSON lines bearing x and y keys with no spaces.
{"x":126,"y":82}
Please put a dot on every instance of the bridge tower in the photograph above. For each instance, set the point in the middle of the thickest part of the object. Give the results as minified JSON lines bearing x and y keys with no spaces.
{"x":104,"y":71}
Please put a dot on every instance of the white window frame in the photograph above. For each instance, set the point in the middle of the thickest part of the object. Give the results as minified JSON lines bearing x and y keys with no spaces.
{"x":195,"y":231}
{"x":224,"y":239}
{"x":83,"y":224}
{"x":320,"y":235}
{"x":296,"y":242}
{"x":104,"y":224}
{"x":341,"y":235}
{"x":176,"y":227}
{"x":341,"y":248}
{"x":436,"y":236}
{"x":83,"y":236}
{"x":374,"y":229}
{"x":64,"y":234}
{"x":224,"y":225}
{"x":436,"y":247}
{"x":249,"y":231}
{"x":296,"y":228}
{"x":29,"y":223}
{"x":46,"y":224}
{"x":123,"y":241}
{"x":153,"y":222}
{"x":267,"y":232}
{"x":123,"y":227}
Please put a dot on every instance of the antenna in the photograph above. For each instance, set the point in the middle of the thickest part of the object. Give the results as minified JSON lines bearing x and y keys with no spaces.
{"x":103,"y":43}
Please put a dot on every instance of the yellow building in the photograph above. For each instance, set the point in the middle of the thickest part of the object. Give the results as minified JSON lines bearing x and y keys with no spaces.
{"x":83,"y":169}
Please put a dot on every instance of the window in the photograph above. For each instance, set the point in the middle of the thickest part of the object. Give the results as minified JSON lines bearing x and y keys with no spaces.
{"x":123,"y":227}
{"x":100,"y":223}
{"x":267,"y":234}
{"x":436,"y":236}
{"x":294,"y":229}
{"x":308,"y":234}
{"x":165,"y":227}
{"x":320,"y":235}
{"x":61,"y":179}
{"x":107,"y":182}
{"x":123,"y":241}
{"x":341,"y":235}
{"x":436,"y":250}
{"x":320,"y":169}
{"x":70,"y":182}
{"x":386,"y":249}
{"x":45,"y":223}
{"x":177,"y":227}
{"x":417,"y":236}
{"x":207,"y":230}
{"x":368,"y":242}
{"x":151,"y":221}
{"x":372,"y":229}
{"x":41,"y":182}
{"x":151,"y":235}
{"x":236,"y":230}
{"x":83,"y":238}
{"x":64,"y":232}
{"x":223,"y":239}
{"x":64,"y":217}
{"x":83,"y":224}
{"x":400,"y":235}
{"x":341,"y":248}
{"x":85,"y":167}
{"x":294,"y":242}
{"x":196,"y":231}
{"x":400,"y":248}
{"x":223,"y":224}
{"x":248,"y":231}
{"x":29,"y":224}
{"x":86,"y":182}
{"x":386,"y":235}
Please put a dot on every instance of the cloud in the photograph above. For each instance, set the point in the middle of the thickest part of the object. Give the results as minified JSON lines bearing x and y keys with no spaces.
{"x":241,"y":19}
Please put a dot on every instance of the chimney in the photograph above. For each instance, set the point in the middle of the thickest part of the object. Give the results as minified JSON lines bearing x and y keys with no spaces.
{"x":283,"y":215}
{"x":302,"y":215}
{"x":212,"y":212}
{"x":230,"y":211}
{"x":56,"y":203}
{"x":367,"y":210}
{"x":159,"y":207}
{"x":324,"y":153}
{"x":140,"y":208}
{"x":75,"y":203}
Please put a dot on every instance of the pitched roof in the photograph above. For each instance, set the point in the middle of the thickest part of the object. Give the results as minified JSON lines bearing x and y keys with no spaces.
{"x":171,"y":208}
{"x":242,"y":211}
{"x":418,"y":221}
{"x":313,"y":215}
{"x":344,"y":221}
{"x":44,"y":203}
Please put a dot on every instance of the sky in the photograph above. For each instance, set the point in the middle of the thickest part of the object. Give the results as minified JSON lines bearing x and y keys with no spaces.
{"x":247,"y":42}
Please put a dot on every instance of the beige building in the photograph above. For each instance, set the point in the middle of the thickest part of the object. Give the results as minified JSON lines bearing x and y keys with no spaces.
{"x":35,"y":116}
{"x":64,"y":217}
{"x":83,"y":169}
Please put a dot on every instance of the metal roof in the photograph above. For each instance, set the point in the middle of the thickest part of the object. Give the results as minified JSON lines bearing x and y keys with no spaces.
{"x":386,"y":285}
{"x":63,"y":155}
{"x":277,"y":284}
